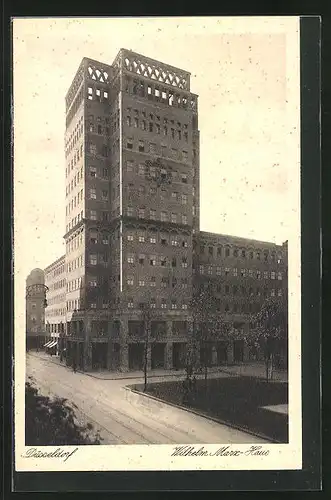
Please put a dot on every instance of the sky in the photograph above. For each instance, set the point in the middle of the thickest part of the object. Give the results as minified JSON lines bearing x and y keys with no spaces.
{"x":245,"y":72}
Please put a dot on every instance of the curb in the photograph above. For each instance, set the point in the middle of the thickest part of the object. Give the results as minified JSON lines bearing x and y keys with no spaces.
{"x":166,"y":375}
{"x":204,"y":415}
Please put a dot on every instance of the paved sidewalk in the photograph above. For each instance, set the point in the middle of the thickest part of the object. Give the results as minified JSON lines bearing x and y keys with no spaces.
{"x":249,"y":369}
{"x":255,"y":370}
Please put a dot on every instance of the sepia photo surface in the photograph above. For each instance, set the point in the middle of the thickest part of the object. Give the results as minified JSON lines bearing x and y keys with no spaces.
{"x":157,"y":243}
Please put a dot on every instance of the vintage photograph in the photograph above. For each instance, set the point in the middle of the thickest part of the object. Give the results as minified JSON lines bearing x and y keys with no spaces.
{"x":157,"y":242}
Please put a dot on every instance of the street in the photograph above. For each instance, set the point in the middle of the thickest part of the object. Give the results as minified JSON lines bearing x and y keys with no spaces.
{"x":125,"y":419}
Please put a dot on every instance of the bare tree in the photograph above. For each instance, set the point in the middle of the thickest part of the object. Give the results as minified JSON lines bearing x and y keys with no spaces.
{"x":208,"y":323}
{"x":270,"y":325}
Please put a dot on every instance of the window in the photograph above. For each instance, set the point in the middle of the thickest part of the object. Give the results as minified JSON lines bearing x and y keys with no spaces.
{"x":93,"y":172}
{"x":273,"y":275}
{"x":279,"y":276}
{"x":141,"y":147}
{"x":93,"y":215}
{"x":163,"y":304}
{"x":266,"y":255}
{"x":279,"y":292}
{"x":235,"y":271}
{"x":184,"y":306}
{"x":153,"y":304}
{"x":164,"y":282}
{"x":164,"y":216}
{"x":105,"y":239}
{"x":152,"y":260}
{"x":93,"y":237}
{"x":141,"y":282}
{"x":153,"y":281}
{"x":130,"y":237}
{"x":219,"y":251}
{"x":128,"y":121}
{"x":211,"y":250}
{"x":258,"y":255}
{"x":93,"y":305}
{"x":218,"y":271}
{"x":272,"y":293}
{"x":227,"y":252}
{"x":184,"y":178}
{"x":173,"y":217}
{"x":184,"y":199}
{"x":141,"y":239}
{"x":152,"y":190}
{"x":130,"y":280}
{"x":129,"y":211}
{"x":163,"y":261}
{"x":174,"y":195}
{"x":163,"y":194}
{"x":234,"y":290}
{"x":210,"y":270}
{"x":201,"y":269}
{"x":173,"y":304}
{"x":142,"y":259}
{"x":152,"y":239}
{"x":141,"y":190}
{"x":227,"y":271}
{"x":129,"y":166}
{"x":130,"y":258}
{"x":174,"y":262}
{"x":227,"y":289}
{"x":104,"y":194}
{"x":136,"y":122}
{"x":152,"y":214}
{"x":250,"y":273}
{"x":152,"y":148}
{"x":93,"y":259}
{"x":141,"y":213}
{"x":184,"y":262}
{"x":174,"y":241}
{"x":93,"y":194}
{"x":130,"y":304}
{"x":184,"y":219}
{"x":129,"y":144}
{"x":266,"y":275}
{"x":235,"y":252}
{"x":185,"y":155}
{"x":141,"y":169}
{"x":251,"y":255}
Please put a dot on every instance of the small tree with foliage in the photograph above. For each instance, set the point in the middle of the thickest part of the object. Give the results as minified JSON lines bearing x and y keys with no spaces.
{"x":270,"y":325}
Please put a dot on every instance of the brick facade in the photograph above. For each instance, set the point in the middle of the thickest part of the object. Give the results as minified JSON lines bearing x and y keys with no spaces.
{"x":133,"y":240}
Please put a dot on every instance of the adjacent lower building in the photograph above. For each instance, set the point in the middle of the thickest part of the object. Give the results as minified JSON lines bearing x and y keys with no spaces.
{"x":133,"y":241}
{"x":55,"y":313}
{"x":35,"y":297}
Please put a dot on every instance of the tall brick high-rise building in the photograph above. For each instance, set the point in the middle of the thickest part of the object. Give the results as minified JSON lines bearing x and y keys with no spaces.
{"x":132,"y":205}
{"x":132,"y":213}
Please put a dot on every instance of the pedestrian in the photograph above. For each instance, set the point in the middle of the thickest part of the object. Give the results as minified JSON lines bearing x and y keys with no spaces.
{"x":74,"y":366}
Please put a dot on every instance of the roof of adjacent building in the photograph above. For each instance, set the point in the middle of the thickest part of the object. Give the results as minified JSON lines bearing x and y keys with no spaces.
{"x":236,"y":240}
{"x":55,"y":263}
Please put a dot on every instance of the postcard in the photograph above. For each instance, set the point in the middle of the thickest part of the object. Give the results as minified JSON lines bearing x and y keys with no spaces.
{"x":157,"y":240}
